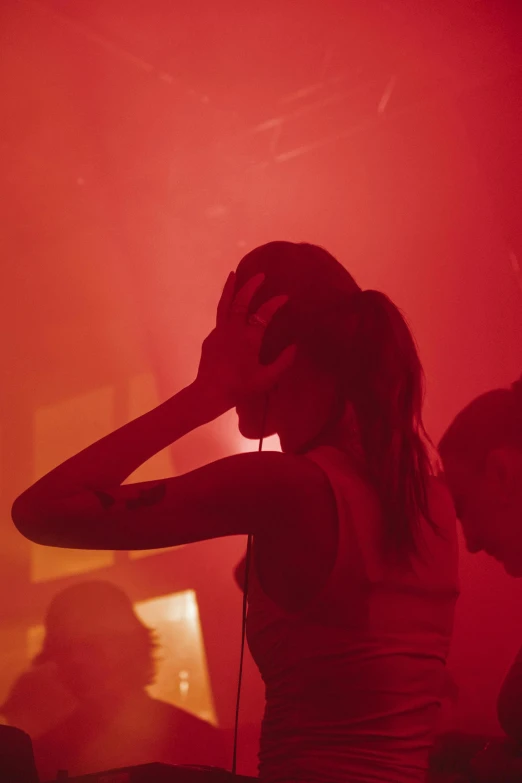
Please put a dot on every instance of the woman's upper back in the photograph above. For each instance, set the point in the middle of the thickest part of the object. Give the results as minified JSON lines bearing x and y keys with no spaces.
{"x":342,"y":529}
{"x":364,"y":658}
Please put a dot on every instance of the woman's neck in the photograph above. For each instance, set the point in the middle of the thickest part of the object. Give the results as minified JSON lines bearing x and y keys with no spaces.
{"x":341,"y":432}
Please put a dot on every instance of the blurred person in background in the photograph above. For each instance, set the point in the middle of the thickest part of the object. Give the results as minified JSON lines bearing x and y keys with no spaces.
{"x":481,"y":452}
{"x":106,"y":658}
{"x":37,"y":700}
{"x":354,"y":569}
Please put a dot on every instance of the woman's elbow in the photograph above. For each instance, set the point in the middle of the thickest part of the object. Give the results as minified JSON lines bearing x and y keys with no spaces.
{"x":28,"y":520}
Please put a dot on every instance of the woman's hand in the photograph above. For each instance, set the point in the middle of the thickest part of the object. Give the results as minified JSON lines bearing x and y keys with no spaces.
{"x":229,"y":368}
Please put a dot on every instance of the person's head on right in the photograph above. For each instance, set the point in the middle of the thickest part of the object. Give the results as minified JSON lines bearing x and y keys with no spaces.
{"x":355,"y":355}
{"x":481,"y":452}
{"x":97,"y":642}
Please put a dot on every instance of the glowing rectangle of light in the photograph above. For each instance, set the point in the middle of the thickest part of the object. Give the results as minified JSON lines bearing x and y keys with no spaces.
{"x":182,"y":674}
{"x":61,"y":430}
{"x":142,"y":397}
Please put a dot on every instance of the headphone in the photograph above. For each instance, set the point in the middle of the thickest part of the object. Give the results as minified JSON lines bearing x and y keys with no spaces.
{"x":244,"y":613}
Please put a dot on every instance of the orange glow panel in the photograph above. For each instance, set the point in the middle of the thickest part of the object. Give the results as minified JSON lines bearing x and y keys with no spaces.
{"x":143,"y":396}
{"x":182,"y":677}
{"x":59,"y":432}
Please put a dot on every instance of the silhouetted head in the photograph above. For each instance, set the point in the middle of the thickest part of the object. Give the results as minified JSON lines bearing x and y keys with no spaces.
{"x":97,"y":642}
{"x":482,"y":456}
{"x":354,"y":352}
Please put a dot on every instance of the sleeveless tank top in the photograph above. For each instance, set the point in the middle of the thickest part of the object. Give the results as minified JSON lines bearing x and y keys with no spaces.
{"x":353,"y":682}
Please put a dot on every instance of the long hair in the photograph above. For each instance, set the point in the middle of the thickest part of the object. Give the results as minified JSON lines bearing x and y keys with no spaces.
{"x":384,"y":381}
{"x":361,"y":338}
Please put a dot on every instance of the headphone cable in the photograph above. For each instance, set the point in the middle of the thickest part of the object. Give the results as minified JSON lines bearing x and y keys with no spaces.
{"x":248,"y":558}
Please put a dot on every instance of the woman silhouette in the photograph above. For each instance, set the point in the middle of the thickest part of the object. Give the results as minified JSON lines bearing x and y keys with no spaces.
{"x":354,"y":550}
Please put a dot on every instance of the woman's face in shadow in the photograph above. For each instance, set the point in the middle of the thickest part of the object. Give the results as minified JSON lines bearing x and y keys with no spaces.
{"x":297,"y":409}
{"x":489,"y":506}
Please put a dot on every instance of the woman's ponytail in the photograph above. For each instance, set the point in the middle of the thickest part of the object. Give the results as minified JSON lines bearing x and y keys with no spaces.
{"x":384,"y":381}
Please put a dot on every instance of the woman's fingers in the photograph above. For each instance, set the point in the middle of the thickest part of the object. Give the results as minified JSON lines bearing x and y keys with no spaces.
{"x":244,"y":296}
{"x":267,"y":310}
{"x":240,"y":304}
